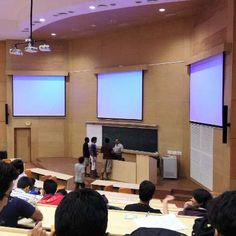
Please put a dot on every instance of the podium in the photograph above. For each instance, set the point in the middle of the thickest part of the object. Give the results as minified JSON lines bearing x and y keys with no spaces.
{"x":145,"y":168}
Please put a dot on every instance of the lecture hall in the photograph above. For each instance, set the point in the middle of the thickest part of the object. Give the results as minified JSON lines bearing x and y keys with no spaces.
{"x":154,"y":76}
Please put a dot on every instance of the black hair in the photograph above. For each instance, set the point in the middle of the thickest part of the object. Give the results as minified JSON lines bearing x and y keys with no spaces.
{"x":146,"y":190}
{"x":82,"y":212}
{"x":62,"y":191}
{"x":81,"y":160}
{"x":93,"y":139}
{"x":86,"y":139}
{"x":19,"y":165}
{"x":32,"y":182}
{"x":202,"y":196}
{"x":24,"y":182}
{"x":107,"y":140}
{"x":49,"y":186}
{"x":7,"y":174}
{"x":222,"y":212}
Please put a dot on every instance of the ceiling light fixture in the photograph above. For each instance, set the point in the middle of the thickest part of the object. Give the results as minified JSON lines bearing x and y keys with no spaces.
{"x":162,"y":9}
{"x":30,"y":43}
{"x":92,"y":7}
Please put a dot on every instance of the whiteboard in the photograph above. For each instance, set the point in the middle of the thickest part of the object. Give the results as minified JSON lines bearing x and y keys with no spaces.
{"x":94,"y":131}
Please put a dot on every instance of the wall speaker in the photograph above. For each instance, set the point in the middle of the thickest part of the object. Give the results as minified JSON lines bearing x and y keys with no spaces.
{"x":225,"y":124}
{"x":6,"y":114}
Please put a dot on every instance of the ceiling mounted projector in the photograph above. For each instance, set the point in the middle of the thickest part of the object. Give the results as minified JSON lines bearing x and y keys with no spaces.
{"x":44,"y":48}
{"x":16,"y":51}
{"x":29,"y":43}
{"x":31,"y":49}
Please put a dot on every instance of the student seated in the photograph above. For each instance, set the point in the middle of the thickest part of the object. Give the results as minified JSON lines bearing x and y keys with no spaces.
{"x":146,"y":192}
{"x":19,"y":166}
{"x":34,"y":190}
{"x":50,"y":196}
{"x":222,"y":214}
{"x":11,"y":208}
{"x":82,"y":212}
{"x":22,"y":191}
{"x":197,"y":205}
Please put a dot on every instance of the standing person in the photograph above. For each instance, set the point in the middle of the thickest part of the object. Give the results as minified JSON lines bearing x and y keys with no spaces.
{"x":86,"y":155}
{"x":93,"y":156}
{"x":79,"y":173}
{"x":118,"y":148}
{"x":107,"y":159}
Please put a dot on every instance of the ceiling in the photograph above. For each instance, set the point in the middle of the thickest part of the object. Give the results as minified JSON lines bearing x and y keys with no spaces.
{"x":73,"y":18}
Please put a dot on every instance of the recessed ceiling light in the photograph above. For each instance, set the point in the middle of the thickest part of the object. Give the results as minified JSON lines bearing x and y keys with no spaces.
{"x":53,"y":34}
{"x":42,"y":20}
{"x":162,"y":9}
{"x":92,"y":7}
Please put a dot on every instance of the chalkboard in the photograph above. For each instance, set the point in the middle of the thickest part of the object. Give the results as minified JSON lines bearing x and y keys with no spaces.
{"x":139,"y":139}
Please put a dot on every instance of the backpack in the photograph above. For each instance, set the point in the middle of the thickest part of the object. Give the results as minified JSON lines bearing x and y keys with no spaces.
{"x":202,"y":227}
{"x":154,"y":232}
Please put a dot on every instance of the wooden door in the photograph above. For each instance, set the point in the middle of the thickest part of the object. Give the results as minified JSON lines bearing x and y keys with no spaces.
{"x":22,"y":138}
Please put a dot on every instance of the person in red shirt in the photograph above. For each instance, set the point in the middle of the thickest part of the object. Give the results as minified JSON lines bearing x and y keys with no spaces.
{"x":51,"y":197}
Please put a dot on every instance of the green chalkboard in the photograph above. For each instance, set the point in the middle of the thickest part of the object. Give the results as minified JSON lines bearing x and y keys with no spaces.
{"x":139,"y":139}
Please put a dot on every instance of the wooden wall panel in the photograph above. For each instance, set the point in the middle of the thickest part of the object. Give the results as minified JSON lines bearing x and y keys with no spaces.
{"x":3,"y":136}
{"x":165,"y":86}
{"x":212,"y":28}
{"x":48,"y":135}
{"x":56,"y":60}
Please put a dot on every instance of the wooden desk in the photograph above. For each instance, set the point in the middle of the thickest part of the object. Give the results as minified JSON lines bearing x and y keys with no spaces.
{"x":9,"y":231}
{"x":102,"y":183}
{"x":119,"y":222}
{"x":63,"y":178}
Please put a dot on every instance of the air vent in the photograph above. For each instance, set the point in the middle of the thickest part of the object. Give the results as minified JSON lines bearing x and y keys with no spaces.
{"x":152,"y":0}
{"x":36,"y":22}
{"x":138,"y":2}
{"x":62,"y":13}
{"x":113,"y":4}
{"x":71,"y":12}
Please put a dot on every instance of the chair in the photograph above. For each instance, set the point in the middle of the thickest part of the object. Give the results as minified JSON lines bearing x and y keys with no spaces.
{"x":44,"y":177}
{"x":28,"y":172}
{"x":125,"y":190}
{"x":109,"y":188}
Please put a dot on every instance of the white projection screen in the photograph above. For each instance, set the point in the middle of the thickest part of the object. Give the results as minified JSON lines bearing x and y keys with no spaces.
{"x":120,"y":95}
{"x":39,"y":95}
{"x":206,"y":91}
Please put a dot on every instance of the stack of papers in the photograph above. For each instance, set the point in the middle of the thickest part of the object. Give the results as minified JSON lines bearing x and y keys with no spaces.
{"x":166,"y":221}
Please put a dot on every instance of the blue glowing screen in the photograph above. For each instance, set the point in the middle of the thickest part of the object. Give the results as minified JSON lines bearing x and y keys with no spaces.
{"x":38,"y":95}
{"x":206,"y":91}
{"x":119,"y":95}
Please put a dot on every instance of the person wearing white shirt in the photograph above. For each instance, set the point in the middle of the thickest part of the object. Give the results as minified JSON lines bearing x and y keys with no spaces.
{"x":118,"y":149}
{"x":23,"y":187}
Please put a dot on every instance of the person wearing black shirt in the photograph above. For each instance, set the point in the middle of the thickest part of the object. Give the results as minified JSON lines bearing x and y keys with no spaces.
{"x":86,"y":155}
{"x":146,"y":192}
